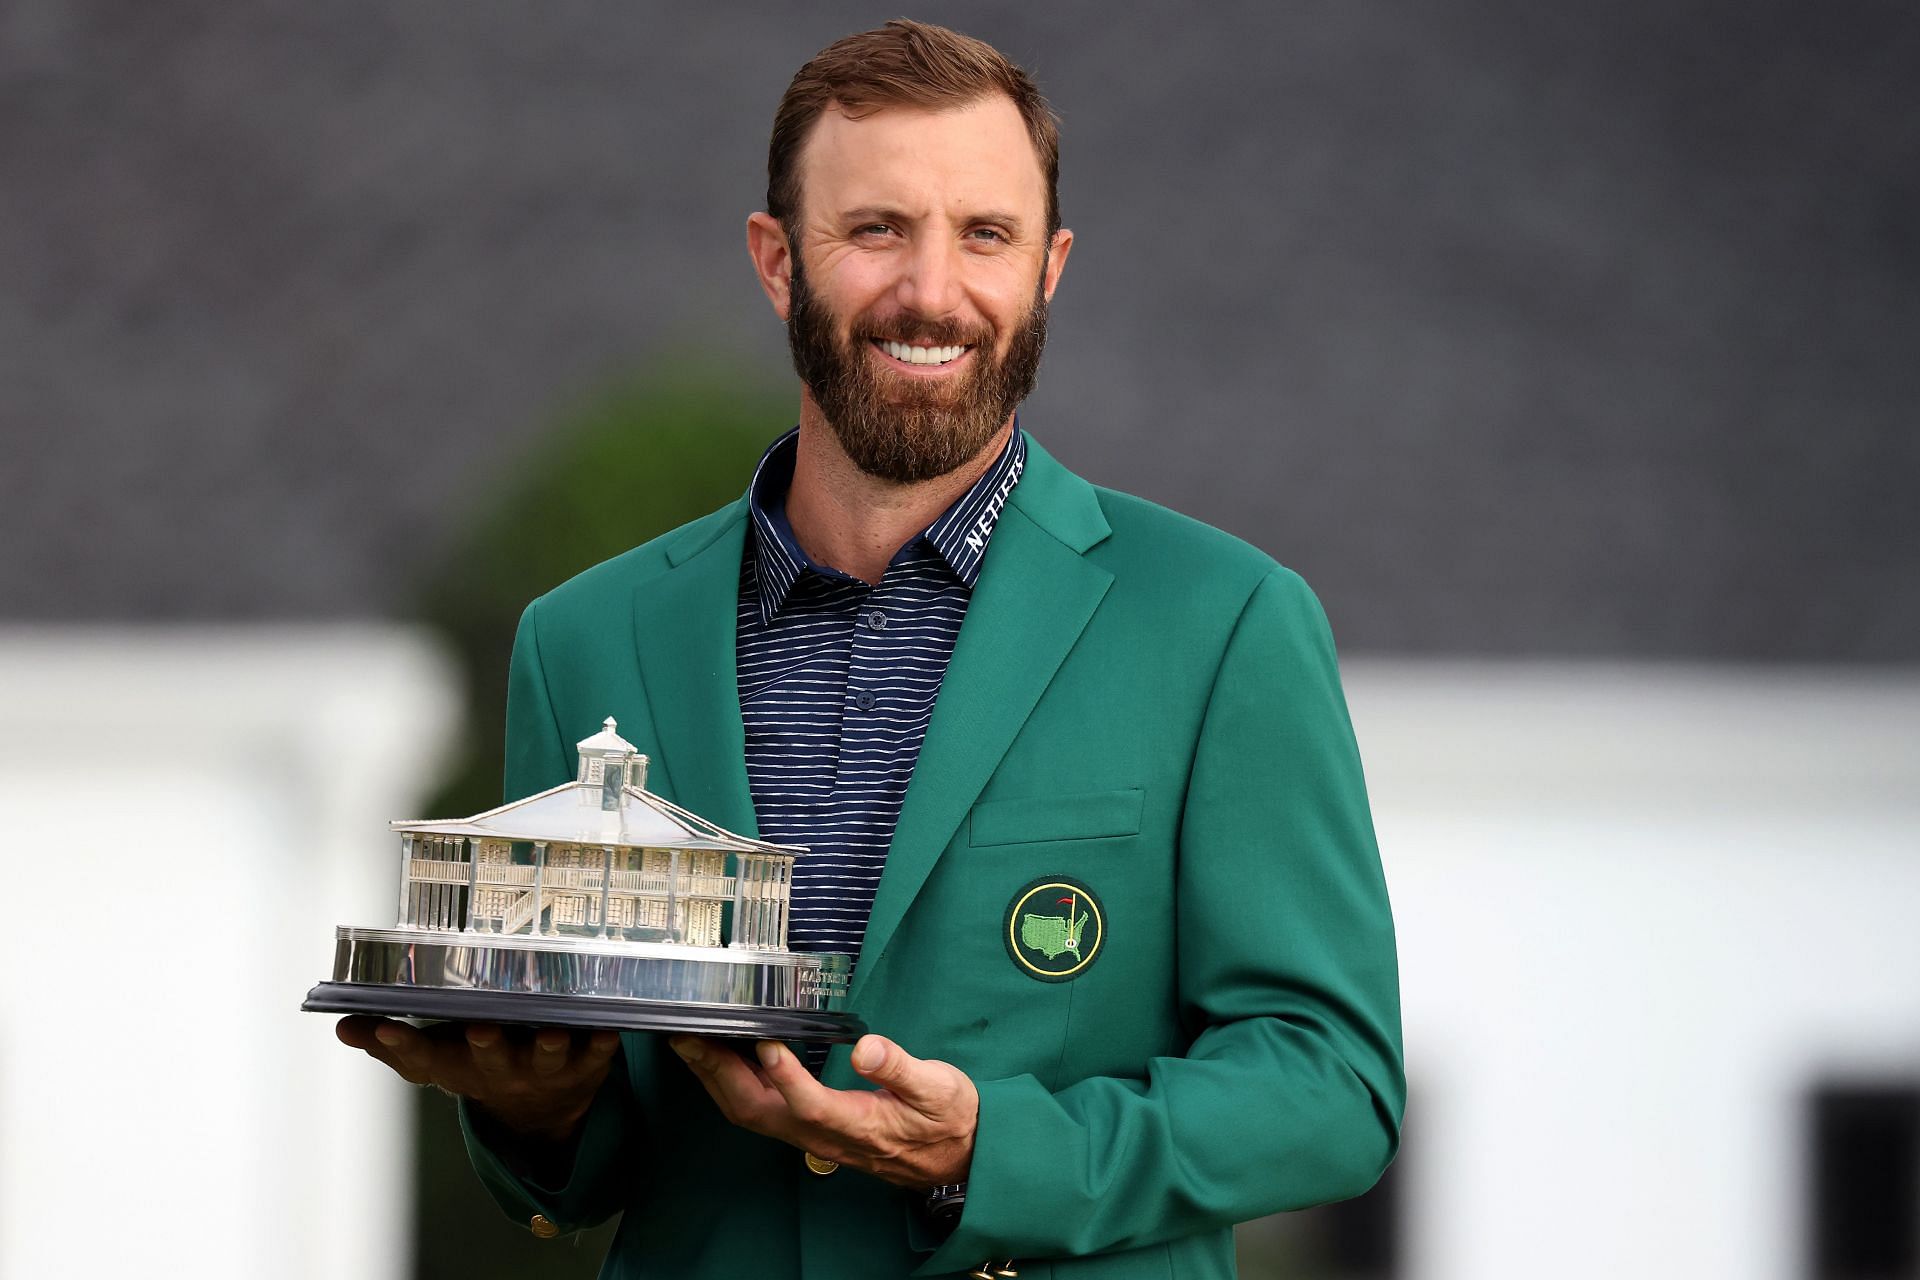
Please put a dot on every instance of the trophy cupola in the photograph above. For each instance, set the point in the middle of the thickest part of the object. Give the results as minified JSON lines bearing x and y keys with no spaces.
{"x":609,"y":763}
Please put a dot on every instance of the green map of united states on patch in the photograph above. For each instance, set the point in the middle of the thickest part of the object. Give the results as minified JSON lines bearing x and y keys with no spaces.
{"x":1050,"y":936}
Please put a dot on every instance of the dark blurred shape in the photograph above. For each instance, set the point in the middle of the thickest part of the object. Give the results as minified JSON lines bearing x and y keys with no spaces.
{"x":1362,"y":1235}
{"x":627,"y":465}
{"x":1517,"y":329}
{"x":624,"y":466}
{"x":1357,"y":1239}
{"x":1865,"y":1187}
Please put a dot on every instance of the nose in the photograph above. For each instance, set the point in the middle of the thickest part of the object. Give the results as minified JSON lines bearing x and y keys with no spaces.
{"x":931,"y":284}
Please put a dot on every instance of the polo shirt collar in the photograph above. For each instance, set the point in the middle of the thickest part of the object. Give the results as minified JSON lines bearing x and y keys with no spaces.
{"x":959,"y":535}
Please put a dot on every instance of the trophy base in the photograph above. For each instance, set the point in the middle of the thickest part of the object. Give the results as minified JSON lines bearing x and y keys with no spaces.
{"x":595,"y":1012}
{"x":586,"y":982}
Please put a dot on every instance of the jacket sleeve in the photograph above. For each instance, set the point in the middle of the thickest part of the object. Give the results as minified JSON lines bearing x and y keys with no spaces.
{"x":1291,"y":1089}
{"x":584,"y":1187}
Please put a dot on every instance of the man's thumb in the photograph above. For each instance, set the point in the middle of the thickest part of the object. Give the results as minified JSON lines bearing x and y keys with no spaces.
{"x":928,"y":1087}
{"x":879,"y":1059}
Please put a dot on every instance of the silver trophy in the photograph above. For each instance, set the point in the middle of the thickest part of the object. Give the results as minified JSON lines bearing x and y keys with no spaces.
{"x":594,"y":904}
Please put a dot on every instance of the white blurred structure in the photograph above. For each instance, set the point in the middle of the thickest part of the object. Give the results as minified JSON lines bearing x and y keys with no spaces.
{"x":1642,"y":910}
{"x":188,"y":815}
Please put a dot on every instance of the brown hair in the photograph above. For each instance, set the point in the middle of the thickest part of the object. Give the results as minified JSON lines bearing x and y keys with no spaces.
{"x":904,"y":63}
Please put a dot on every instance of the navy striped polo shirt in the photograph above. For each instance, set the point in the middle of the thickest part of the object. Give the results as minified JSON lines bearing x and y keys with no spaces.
{"x":837,"y":683}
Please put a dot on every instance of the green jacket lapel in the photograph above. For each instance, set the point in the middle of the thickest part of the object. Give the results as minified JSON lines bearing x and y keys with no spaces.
{"x":1035,"y":595}
{"x":684,"y":624}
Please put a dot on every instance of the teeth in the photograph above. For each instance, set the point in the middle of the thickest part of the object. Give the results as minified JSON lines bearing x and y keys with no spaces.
{"x":920,"y":355}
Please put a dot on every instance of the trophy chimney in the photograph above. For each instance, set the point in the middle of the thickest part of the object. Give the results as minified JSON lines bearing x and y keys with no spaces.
{"x":609,"y":764}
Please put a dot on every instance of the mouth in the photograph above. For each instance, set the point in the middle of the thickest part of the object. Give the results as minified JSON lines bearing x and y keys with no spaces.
{"x":915,"y":357}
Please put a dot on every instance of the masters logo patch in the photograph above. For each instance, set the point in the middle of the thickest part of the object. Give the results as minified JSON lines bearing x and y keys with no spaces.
{"x":1054,"y":928}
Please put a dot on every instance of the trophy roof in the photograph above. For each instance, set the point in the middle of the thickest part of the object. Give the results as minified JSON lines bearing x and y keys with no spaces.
{"x":558,"y":816}
{"x":607,"y":741}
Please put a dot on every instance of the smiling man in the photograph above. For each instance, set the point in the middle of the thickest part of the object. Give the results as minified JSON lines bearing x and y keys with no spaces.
{"x":1075,"y":772}
{"x":935,"y":263}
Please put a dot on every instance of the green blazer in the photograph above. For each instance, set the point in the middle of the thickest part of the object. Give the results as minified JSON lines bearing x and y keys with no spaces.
{"x":1138,"y":705}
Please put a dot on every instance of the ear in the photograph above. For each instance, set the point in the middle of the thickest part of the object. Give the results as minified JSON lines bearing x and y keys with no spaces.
{"x":772,"y":260}
{"x":1057,"y":250}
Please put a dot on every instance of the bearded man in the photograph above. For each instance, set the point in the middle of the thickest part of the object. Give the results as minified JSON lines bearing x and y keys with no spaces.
{"x":980,"y":691}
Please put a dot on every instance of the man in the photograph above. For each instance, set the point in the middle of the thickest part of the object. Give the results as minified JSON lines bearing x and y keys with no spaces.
{"x":1076,"y":773}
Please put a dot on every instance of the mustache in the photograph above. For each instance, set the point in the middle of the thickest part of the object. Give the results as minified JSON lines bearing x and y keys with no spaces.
{"x":925,"y":333}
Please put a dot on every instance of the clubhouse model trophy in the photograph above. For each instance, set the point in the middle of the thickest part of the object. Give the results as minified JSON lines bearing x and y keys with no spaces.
{"x":594,"y":904}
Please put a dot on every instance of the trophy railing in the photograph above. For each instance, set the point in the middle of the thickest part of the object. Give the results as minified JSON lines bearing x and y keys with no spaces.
{"x":646,"y":884}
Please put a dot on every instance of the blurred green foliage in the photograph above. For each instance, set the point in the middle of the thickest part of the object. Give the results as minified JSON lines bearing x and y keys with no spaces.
{"x":624,"y":465}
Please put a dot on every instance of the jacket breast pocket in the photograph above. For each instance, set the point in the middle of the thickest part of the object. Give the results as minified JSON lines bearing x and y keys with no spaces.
{"x":1085,"y":815}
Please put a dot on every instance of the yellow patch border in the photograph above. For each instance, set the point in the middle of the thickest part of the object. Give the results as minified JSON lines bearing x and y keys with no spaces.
{"x":1011,"y":927}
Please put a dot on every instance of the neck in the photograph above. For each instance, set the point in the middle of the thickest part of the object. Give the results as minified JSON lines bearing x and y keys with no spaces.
{"x":848,"y":520}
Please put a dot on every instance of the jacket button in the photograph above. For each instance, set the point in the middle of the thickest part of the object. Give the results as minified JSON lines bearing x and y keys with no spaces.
{"x":542,"y":1227}
{"x":819,"y":1166}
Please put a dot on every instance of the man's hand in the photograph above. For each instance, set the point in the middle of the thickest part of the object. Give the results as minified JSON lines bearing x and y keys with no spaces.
{"x":538,"y":1089}
{"x":915,"y":1130}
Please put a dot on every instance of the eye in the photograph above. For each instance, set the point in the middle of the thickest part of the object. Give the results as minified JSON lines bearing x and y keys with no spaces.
{"x":988,"y":235}
{"x":874,"y":229}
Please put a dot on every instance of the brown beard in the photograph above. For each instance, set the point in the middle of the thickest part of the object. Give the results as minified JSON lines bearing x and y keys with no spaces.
{"x":907,"y":429}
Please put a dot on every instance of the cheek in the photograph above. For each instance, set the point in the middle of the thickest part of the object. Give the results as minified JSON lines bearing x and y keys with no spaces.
{"x":859,"y":287}
{"x":1004,"y":297}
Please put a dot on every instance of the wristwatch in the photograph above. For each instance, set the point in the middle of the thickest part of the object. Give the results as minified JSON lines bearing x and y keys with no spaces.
{"x":942,"y":1207}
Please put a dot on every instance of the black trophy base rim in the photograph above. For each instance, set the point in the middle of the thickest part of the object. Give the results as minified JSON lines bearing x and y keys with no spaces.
{"x":529,"y":1008}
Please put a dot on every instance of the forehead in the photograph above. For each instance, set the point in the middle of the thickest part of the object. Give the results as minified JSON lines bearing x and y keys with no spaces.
{"x":971,"y":157}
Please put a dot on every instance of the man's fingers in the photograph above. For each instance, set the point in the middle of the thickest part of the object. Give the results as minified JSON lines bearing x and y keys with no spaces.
{"x":810,"y":1101}
{"x":398,"y":1045}
{"x":371,"y":1034}
{"x":489,"y":1049}
{"x":601,"y":1046}
{"x":534,"y":1084}
{"x":716,"y":1062}
{"x":550,"y":1052}
{"x":356,"y":1031}
{"x":916,"y":1130}
{"x":739,"y":1091}
{"x":884,"y":1062}
{"x":702,"y":1061}
{"x":930,"y":1088}
{"x":693,"y":1052}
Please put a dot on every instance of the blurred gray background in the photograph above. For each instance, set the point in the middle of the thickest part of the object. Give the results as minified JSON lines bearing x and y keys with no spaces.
{"x":1518,"y":329}
{"x":1522,"y":331}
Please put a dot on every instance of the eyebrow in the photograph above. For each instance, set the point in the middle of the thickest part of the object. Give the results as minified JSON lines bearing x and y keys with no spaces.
{"x":880,"y":213}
